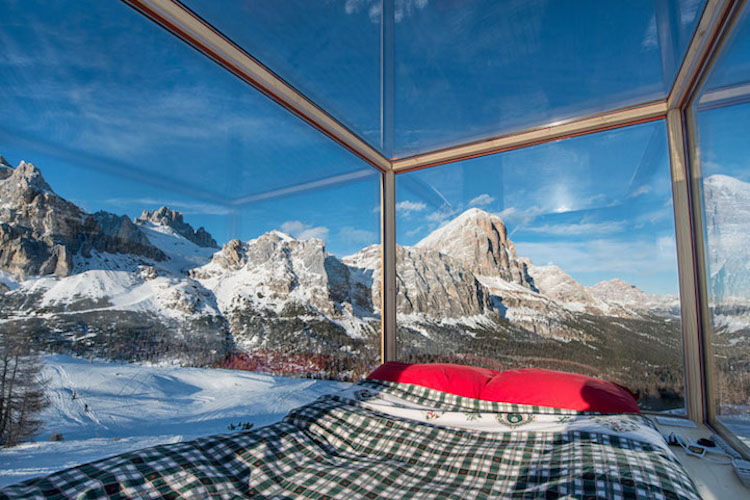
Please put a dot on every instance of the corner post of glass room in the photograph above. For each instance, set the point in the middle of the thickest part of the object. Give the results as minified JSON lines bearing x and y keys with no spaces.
{"x":689,"y":276}
{"x":716,"y":22}
{"x":388,"y":276}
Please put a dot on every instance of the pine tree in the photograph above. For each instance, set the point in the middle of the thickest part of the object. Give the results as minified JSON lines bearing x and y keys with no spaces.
{"x":22,"y":390}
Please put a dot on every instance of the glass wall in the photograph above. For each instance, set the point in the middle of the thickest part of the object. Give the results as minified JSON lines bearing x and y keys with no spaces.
{"x":559,"y":256}
{"x":155,"y":210}
{"x":722,"y":118}
{"x":465,"y":74}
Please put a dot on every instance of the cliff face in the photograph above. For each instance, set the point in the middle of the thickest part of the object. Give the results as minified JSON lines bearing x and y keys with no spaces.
{"x":40,"y":232}
{"x":480,"y":241}
{"x":428,"y":282}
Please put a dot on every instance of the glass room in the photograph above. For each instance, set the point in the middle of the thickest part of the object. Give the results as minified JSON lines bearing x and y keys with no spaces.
{"x":213,"y":213}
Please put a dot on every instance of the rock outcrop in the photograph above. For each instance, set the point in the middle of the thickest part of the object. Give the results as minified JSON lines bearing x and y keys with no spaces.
{"x":480,"y":241}
{"x":174,"y":219}
{"x":428,"y":282}
{"x":275,"y":269}
{"x":40,"y":232}
{"x":6,"y":169}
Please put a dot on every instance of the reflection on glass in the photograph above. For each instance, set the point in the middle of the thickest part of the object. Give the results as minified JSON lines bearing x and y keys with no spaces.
{"x":330,"y":50}
{"x":723,"y":117}
{"x":559,"y":256}
{"x":154,"y":210}
{"x":147,"y":107}
{"x":469,"y":73}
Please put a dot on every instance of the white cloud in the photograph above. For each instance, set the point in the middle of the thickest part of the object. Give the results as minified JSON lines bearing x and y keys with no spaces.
{"x":402,"y":8}
{"x":667,"y":246}
{"x":357,"y":236}
{"x":303,"y":231}
{"x":407,"y":207}
{"x":605,"y":255}
{"x":591,"y":228}
{"x":415,"y":231}
{"x":519,"y":218}
{"x":650,"y":37}
{"x":481,"y":200}
{"x":442,"y":214}
{"x":689,"y":10}
{"x":641,"y":190}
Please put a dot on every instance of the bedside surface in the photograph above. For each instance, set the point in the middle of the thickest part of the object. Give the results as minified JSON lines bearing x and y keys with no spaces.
{"x":713,"y":480}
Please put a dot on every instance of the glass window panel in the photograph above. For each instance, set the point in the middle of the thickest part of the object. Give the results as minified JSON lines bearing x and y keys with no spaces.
{"x":106,"y":119}
{"x":330,"y":50}
{"x":733,"y":68}
{"x":558,"y":256}
{"x":108,"y":88}
{"x":683,"y":18}
{"x":469,"y":73}
{"x":723,"y":120}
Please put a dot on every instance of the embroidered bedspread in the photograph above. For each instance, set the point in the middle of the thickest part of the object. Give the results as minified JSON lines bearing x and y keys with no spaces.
{"x":388,"y":440}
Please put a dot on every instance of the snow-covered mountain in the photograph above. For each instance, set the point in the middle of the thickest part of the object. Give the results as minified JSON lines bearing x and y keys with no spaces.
{"x":164,"y":217}
{"x":480,"y":241}
{"x":727,"y":214}
{"x":155,"y":288}
{"x":99,"y":283}
{"x":280,"y":292}
{"x":40,"y":232}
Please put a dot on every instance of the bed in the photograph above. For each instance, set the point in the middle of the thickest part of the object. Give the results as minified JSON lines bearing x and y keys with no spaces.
{"x":383,"y":438}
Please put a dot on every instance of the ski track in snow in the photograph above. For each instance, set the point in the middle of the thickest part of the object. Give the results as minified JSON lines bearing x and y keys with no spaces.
{"x":133,"y":406}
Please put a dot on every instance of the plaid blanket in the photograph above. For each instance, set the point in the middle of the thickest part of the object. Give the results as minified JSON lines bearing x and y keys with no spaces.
{"x":355,"y":444}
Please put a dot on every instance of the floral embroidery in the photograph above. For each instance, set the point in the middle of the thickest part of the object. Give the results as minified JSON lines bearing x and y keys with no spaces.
{"x":566,"y":419}
{"x":514,"y":420}
{"x":471,"y":416}
{"x":432,"y":415}
{"x":616,"y":423}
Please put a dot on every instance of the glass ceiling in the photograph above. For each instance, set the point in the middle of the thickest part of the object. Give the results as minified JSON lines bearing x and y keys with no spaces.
{"x":330,"y":50}
{"x":105,"y":89}
{"x":729,"y":80}
{"x":464,"y":74}
{"x":122,"y":116}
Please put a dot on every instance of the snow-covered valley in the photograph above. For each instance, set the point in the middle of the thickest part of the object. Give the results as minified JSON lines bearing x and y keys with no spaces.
{"x":132,"y":406}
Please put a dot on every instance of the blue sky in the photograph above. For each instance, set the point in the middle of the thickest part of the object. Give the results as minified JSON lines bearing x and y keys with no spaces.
{"x":120,"y":116}
{"x":598,"y":206}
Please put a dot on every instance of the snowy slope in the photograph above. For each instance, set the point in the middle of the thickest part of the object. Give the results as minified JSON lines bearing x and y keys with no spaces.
{"x":132,"y":406}
{"x":183,"y":254}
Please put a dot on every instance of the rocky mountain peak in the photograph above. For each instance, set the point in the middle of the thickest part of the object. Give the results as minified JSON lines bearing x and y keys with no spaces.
{"x":480,"y":240}
{"x":556,"y":283}
{"x":621,"y":292}
{"x":6,"y":169}
{"x":173,"y":219}
{"x":41,"y":232}
{"x":428,"y":282}
{"x":22,"y":184}
{"x":232,"y":255}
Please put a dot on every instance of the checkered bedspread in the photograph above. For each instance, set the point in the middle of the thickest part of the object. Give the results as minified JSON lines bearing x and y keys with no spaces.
{"x":386,"y":440}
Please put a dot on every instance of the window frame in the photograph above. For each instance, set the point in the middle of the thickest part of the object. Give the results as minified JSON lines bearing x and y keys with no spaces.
{"x":717,"y":21}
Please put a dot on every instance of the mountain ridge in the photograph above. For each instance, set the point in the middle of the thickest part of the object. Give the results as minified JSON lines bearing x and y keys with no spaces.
{"x":178,"y":296}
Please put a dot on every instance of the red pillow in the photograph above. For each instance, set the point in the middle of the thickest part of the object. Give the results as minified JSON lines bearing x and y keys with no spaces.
{"x":535,"y":386}
{"x":467,"y":381}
